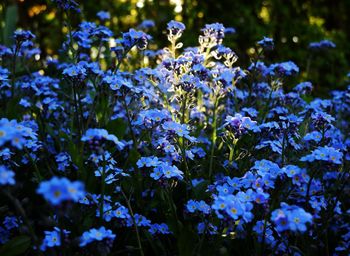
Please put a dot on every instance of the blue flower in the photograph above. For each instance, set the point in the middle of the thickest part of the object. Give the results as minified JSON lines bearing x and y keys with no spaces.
{"x":214,"y":31}
{"x":287,"y":68}
{"x":196,"y":182}
{"x":10,"y":222}
{"x":321,"y":45}
{"x":6,"y":176}
{"x":107,"y":212}
{"x":260,"y":197}
{"x":121,"y":212}
{"x":266,"y":43}
{"x":252,"y":112}
{"x":180,"y":129}
{"x":261,"y":227}
{"x":171,"y":171}
{"x":264,"y":167}
{"x":135,"y":38}
{"x":58,"y":190}
{"x":298,"y":218}
{"x":159,"y":229}
{"x":67,"y":5}
{"x":225,"y":189}
{"x":234,"y":207}
{"x":63,"y":160}
{"x":208,"y":228}
{"x":203,"y":207}
{"x":157,"y":173}
{"x":25,"y":103}
{"x":4,"y":77}
{"x":164,"y":170}
{"x":151,"y":117}
{"x":191,"y":206}
{"x":140,"y":220}
{"x":147,"y":24}
{"x":290,"y":217}
{"x":15,"y":133}
{"x":52,"y":239}
{"x":23,"y":35}
{"x":231,"y":206}
{"x":291,"y":170}
{"x":75,"y":71}
{"x":313,"y":136}
{"x":4,"y":235}
{"x":321,"y":119}
{"x":100,"y":135}
{"x":304,"y":87}
{"x":230,"y":31}
{"x":96,"y":235}
{"x":240,"y":125}
{"x":250,"y":125}
{"x":103,"y":15}
{"x":175,"y":28}
{"x":328,"y":154}
{"x":219,"y":205}
{"x":275,"y":145}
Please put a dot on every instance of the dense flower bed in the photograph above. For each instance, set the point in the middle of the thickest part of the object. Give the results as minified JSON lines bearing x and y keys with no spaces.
{"x":116,"y":149}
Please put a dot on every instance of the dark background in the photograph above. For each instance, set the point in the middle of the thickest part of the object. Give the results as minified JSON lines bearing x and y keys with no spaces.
{"x":292,"y":23}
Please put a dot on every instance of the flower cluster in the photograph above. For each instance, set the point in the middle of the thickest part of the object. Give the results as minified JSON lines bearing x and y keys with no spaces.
{"x":291,"y":218}
{"x":6,"y":176}
{"x":323,"y":44}
{"x":97,"y":235}
{"x":58,"y":190}
{"x":168,"y":151}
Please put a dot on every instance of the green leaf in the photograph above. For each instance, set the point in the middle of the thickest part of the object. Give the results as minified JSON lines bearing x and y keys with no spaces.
{"x":117,"y":127}
{"x":11,"y":18}
{"x":16,"y":246}
{"x":134,"y":156}
{"x":13,"y":108}
{"x":200,"y":190}
{"x":186,"y":241}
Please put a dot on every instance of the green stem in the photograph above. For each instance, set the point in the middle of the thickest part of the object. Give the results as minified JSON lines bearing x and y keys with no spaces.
{"x":134,"y":222}
{"x":266,"y":110}
{"x":70,"y":29}
{"x":173,"y":49}
{"x":213,"y":137}
{"x":283,"y":148}
{"x":103,"y":186}
{"x":13,"y":77}
{"x":76,"y":109}
{"x":263,"y":236}
{"x":134,"y":140}
{"x":37,"y":172}
{"x":183,"y":109}
{"x":183,"y":155}
{"x":23,"y":214}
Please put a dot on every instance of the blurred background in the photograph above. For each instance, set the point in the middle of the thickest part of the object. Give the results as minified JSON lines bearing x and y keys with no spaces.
{"x":293,"y":24}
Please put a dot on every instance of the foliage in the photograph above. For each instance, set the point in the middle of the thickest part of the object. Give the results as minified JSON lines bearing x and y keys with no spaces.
{"x":293,"y":25}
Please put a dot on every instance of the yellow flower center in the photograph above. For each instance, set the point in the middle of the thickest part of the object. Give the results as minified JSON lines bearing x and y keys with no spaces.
{"x":57,"y":193}
{"x":234,"y":210}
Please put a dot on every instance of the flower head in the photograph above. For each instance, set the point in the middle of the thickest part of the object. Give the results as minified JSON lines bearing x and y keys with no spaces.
{"x":267,"y":43}
{"x":58,"y":190}
{"x":6,"y":176}
{"x":175,"y":28}
{"x":96,"y":235}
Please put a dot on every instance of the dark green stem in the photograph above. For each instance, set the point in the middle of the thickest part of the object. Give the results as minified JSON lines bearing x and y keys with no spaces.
{"x":134,"y":222}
